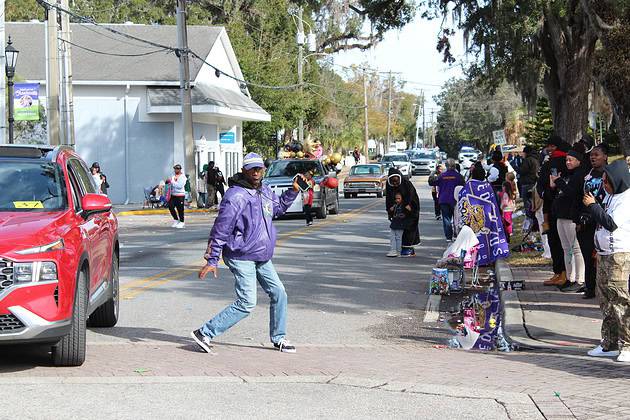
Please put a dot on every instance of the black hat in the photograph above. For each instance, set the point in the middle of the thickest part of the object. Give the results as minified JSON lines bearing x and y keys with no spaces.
{"x":576,"y":154}
{"x":177,"y":166}
{"x":497,"y":156}
{"x":554,"y":140}
{"x":528,"y":149}
{"x":588,"y":142}
{"x":96,"y":165}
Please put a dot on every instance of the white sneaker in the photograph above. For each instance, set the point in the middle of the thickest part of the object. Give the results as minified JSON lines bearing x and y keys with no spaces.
{"x":180,"y":225}
{"x":599,"y":352}
{"x":624,"y":356}
{"x":392,"y":254}
{"x":175,"y":223}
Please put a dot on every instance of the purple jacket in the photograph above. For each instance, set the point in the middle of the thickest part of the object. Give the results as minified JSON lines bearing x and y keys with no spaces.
{"x":446,"y":183}
{"x":243,"y":230}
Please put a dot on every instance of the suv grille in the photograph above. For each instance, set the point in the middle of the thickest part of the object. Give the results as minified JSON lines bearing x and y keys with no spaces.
{"x":6,"y":274}
{"x":9,"y":323}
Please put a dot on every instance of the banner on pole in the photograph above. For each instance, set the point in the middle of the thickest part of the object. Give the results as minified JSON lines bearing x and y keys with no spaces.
{"x":26,"y":102}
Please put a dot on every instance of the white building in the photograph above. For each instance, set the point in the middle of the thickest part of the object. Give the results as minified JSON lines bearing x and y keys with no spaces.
{"x":127,"y":100}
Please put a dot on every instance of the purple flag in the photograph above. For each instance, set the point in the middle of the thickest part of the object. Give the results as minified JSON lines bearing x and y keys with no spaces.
{"x":477,"y":206}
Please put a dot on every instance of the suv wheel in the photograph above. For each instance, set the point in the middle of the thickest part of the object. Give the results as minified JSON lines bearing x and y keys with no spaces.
{"x":106,"y":315}
{"x":335,"y":209}
{"x":322,"y":211}
{"x":379,"y":194}
{"x":70,"y":350}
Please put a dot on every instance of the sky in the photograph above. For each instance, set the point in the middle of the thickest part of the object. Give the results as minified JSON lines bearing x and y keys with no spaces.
{"x":412,"y":52}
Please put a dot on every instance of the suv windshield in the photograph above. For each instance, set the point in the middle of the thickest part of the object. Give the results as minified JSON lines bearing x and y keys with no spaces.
{"x":423,"y":155}
{"x":365,"y":170}
{"x":395,"y":158}
{"x":31,"y":186}
{"x":291,"y":168}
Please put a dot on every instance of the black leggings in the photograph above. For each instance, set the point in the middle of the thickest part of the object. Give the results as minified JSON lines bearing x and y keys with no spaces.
{"x":307,"y":213}
{"x":586,"y":238}
{"x":177,"y":202}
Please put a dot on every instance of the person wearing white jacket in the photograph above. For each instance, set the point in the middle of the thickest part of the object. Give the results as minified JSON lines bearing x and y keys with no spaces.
{"x":612,"y":242}
{"x":178,"y":193}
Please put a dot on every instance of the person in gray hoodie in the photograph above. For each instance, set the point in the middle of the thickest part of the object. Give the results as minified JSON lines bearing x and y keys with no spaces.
{"x":612,"y":242}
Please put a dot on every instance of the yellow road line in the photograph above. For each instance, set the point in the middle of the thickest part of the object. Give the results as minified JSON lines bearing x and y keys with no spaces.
{"x":133,"y":289}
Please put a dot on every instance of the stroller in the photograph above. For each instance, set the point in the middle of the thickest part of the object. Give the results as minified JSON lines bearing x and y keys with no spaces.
{"x":150,"y":200}
{"x":460,"y":256}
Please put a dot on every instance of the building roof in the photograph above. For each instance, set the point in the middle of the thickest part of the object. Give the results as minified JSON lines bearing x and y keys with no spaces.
{"x":29,"y":39}
{"x":210,"y":99}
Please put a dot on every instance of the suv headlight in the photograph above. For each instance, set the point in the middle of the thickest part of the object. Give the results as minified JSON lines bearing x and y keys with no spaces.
{"x":28,"y":272}
{"x":54,"y":246}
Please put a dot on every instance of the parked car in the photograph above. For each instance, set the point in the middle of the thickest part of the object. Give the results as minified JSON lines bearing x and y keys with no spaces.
{"x":365,"y":179}
{"x":398,"y":160}
{"x":467,"y":156}
{"x":279,"y":176}
{"x":424,"y":163}
{"x":59,"y":254}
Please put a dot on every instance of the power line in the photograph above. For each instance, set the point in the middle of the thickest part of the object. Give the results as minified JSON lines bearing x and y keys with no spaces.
{"x":112,"y":54}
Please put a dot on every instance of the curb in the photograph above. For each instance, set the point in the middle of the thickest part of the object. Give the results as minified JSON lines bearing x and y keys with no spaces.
{"x":159,"y":211}
{"x":514,"y":325}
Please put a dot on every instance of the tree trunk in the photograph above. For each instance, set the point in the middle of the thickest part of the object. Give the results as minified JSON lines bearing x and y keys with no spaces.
{"x":621,"y":111}
{"x":568,"y":53}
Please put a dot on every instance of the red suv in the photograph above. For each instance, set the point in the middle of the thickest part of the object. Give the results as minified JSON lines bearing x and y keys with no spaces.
{"x":59,"y":251}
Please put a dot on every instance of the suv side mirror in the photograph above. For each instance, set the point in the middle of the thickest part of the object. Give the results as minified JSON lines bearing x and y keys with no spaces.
{"x":95,"y":203}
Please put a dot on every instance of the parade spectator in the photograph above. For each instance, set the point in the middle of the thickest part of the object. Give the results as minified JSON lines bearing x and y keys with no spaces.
{"x":307,"y":198}
{"x":104,"y":184}
{"x":202,"y":187}
{"x":435,"y":191}
{"x":357,"y":155}
{"x":248,"y":209}
{"x":497,"y":172}
{"x":95,"y":170}
{"x":396,"y":183}
{"x":446,"y":183}
{"x":187,"y":193}
{"x":554,"y":164}
{"x":612,"y":241}
{"x":528,"y":175}
{"x":399,"y":223}
{"x":508,"y":206}
{"x":570,"y":187}
{"x":177,"y":183}
{"x":220,"y":185}
{"x":211,"y":184}
{"x":586,"y":225}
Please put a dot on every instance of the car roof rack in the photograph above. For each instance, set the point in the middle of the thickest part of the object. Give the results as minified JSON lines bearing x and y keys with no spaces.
{"x":24,"y":150}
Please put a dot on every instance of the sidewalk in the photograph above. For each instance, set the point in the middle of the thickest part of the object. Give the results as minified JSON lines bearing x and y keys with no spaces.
{"x":544,"y":317}
{"x":138,"y":210}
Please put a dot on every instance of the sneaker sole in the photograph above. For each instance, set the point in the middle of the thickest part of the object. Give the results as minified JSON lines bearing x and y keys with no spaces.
{"x":201,"y":344}
{"x":604,"y":355}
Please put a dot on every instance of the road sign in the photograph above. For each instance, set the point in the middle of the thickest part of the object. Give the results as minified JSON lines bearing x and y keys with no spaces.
{"x":499,"y":137}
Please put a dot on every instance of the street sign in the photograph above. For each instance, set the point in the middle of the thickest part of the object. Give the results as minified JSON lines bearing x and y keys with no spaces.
{"x":499,"y":137}
{"x":227,"y":137}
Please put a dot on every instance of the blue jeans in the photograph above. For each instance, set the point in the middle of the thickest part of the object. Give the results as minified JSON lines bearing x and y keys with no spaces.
{"x":447,"y":220}
{"x":246,"y":273}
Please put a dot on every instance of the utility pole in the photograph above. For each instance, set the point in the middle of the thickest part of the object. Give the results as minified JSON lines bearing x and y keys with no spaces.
{"x":300,"y":71}
{"x":389,"y":111}
{"x":67,"y":109}
{"x":418,"y":104}
{"x":432,"y":130}
{"x":424,"y":136}
{"x":366,"y":133}
{"x":3,"y":89}
{"x":52,"y":76}
{"x":184,"y":84}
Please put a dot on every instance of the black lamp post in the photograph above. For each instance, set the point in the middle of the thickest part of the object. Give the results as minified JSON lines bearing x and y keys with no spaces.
{"x":11,"y":56}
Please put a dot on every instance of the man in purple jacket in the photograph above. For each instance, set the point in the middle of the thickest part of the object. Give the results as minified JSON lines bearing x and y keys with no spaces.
{"x":244,"y":233}
{"x":446,"y":183}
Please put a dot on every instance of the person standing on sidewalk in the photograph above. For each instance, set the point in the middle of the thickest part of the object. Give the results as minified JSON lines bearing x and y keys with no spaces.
{"x":570,"y":186}
{"x":396,"y":183}
{"x":211,"y":178}
{"x":177,"y":184}
{"x":435,"y":192}
{"x":612,"y":241}
{"x":220,"y":184}
{"x":594,"y":185}
{"x":244,"y":234}
{"x":446,"y":183}
{"x":555,"y":163}
{"x":202,"y":187}
{"x":398,"y":225}
{"x":528,"y":176}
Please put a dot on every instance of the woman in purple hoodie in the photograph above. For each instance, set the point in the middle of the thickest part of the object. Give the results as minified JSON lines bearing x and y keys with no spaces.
{"x":244,"y":233}
{"x":446,"y":183}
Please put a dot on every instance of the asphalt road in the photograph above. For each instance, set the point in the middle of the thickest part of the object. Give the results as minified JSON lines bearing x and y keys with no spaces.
{"x":353,"y":312}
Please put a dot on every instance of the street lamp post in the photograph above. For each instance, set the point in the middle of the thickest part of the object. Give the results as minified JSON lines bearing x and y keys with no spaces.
{"x":11,"y":55}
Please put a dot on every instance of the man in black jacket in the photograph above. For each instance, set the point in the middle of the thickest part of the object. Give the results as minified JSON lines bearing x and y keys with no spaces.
{"x":528,"y":175}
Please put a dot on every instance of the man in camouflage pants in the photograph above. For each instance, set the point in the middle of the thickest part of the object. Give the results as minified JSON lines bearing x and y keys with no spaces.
{"x":612,"y":241}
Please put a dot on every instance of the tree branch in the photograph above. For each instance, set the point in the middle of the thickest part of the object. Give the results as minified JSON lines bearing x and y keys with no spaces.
{"x":595,"y":20}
